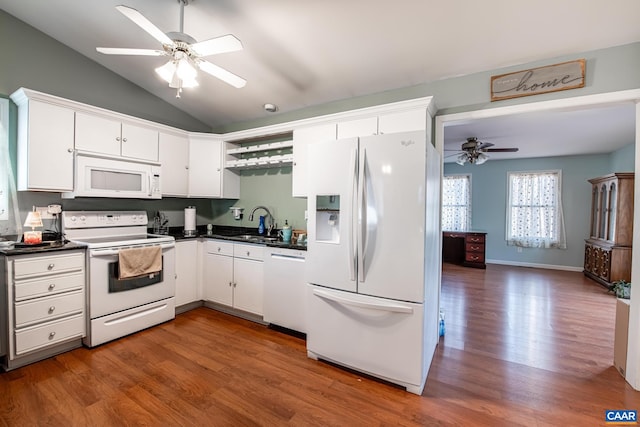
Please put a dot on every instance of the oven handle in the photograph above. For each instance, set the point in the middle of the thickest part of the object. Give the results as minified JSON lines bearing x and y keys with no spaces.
{"x":109,"y":252}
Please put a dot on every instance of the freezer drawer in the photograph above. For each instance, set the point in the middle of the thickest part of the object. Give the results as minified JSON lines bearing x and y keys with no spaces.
{"x":380,"y":337}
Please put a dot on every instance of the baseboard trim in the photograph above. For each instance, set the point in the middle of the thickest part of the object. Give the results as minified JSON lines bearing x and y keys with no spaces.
{"x":534,"y":265}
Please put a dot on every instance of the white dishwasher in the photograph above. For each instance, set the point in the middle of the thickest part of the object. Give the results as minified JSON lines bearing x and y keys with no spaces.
{"x":285,"y":288}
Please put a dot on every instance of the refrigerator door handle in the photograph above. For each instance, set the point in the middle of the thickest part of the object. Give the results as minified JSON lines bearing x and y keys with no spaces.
{"x":354,"y":191}
{"x":391,"y":307}
{"x":362,"y":216}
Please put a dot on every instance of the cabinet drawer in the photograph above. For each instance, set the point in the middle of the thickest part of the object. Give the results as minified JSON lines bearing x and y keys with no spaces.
{"x":43,"y":309}
{"x":38,"y":266}
{"x":248,"y":252}
{"x":474,"y":247}
{"x":475,"y":238}
{"x":219,"y":247}
{"x":36,"y":337}
{"x":26,"y":289}
{"x":474,"y":257}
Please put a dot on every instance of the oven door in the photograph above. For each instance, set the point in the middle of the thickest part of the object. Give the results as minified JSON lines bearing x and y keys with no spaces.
{"x":107,"y":294}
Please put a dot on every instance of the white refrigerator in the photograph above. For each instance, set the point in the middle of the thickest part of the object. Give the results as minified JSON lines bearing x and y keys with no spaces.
{"x":373,"y":258}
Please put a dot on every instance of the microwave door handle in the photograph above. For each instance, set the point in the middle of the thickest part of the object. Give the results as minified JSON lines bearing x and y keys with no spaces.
{"x":149,"y":187}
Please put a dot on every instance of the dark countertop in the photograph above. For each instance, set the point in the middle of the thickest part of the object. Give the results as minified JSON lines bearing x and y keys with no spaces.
{"x":231,"y":233}
{"x":51,"y":247}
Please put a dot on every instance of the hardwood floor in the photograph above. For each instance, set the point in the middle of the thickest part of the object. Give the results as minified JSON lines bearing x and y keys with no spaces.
{"x":522,"y":347}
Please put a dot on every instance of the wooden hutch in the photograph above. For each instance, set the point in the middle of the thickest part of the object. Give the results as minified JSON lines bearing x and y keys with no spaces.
{"x":607,"y":254}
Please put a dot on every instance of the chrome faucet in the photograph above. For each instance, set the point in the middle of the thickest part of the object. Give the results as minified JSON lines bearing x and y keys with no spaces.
{"x":271,"y":220}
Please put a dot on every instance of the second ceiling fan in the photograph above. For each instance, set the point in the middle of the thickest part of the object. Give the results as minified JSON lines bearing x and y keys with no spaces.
{"x":184,"y":51}
{"x":473,"y":151}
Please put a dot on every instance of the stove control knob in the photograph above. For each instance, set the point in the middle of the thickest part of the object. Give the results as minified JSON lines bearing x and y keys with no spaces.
{"x":73,"y":219}
{"x":83,"y":218}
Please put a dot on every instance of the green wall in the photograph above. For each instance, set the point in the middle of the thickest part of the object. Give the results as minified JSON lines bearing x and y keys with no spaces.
{"x":489,"y":202}
{"x":32,"y":59}
{"x":264,"y":187}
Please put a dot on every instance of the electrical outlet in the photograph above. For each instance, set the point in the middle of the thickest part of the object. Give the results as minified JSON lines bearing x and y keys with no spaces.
{"x":44,"y":212}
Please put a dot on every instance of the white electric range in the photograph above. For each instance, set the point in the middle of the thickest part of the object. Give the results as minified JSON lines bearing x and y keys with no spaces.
{"x":119,"y":307}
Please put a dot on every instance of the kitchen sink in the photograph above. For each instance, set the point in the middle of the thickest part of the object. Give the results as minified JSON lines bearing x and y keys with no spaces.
{"x":254,"y":238}
{"x":246,"y":237}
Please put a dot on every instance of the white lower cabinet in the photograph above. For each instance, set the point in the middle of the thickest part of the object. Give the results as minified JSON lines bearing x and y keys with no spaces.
{"x":45,"y":302}
{"x":233,"y":275}
{"x":186,"y":272}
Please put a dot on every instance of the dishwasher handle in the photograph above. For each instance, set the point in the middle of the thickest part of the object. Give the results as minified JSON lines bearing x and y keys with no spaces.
{"x":288,"y":257}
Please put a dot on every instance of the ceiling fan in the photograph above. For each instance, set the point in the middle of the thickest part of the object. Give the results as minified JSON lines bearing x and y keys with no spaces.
{"x":184,"y":51}
{"x":473,"y":151}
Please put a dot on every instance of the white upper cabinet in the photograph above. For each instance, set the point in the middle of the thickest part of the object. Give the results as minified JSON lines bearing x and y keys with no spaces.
{"x":45,"y":145}
{"x":404,"y":121}
{"x":358,"y":127}
{"x":174,"y":158}
{"x":207,"y":176}
{"x":302,"y":137}
{"x":111,"y":136}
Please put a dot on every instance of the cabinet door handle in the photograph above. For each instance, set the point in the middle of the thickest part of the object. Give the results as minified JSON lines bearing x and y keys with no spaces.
{"x":219,"y":248}
{"x":50,"y":266}
{"x":230,"y":283}
{"x":124,"y":139}
{"x":52,"y":309}
{"x":248,"y":253}
{"x":51,"y":335}
{"x":69,"y":150}
{"x":52,"y":286}
{"x":118,"y":138}
{"x":234,"y":284}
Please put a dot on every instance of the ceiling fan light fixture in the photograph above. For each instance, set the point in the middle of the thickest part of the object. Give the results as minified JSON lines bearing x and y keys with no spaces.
{"x":481,"y":159}
{"x":178,"y":73}
{"x":185,"y":70}
{"x":167,"y":71}
{"x":461,"y":159}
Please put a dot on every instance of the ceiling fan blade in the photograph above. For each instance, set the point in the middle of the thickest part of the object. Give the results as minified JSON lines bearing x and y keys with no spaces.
{"x":228,"y":43}
{"x":145,"y":24}
{"x":502,"y":150}
{"x":127,"y":51}
{"x":483,"y":145}
{"x":222,"y":74}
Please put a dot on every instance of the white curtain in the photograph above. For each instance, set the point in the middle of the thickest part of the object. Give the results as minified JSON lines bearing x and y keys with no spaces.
{"x":535,"y":210}
{"x":456,"y":203}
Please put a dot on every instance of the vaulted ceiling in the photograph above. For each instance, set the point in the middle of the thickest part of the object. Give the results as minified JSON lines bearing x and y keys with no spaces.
{"x":300,"y":53}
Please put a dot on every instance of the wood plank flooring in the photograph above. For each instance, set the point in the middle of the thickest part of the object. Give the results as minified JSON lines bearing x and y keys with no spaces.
{"x":522,"y":347}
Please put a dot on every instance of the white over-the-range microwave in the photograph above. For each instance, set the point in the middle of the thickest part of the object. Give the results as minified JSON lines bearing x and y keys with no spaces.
{"x":98,"y":175}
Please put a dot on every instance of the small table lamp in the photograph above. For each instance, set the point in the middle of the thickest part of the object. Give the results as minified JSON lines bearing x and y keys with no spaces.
{"x":33,"y":220}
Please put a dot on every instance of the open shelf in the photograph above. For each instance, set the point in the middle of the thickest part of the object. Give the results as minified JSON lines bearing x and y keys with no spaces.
{"x":236,"y":158}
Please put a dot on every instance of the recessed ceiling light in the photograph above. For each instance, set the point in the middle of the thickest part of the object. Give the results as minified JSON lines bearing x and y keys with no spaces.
{"x":271,"y":108}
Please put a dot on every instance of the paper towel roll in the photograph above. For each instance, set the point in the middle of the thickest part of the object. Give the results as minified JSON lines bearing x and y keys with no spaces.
{"x":190,"y":219}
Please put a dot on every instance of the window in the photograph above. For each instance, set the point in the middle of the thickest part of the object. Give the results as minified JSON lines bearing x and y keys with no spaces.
{"x":534,"y":212}
{"x":4,"y":160}
{"x":10,"y":224}
{"x":456,"y":203}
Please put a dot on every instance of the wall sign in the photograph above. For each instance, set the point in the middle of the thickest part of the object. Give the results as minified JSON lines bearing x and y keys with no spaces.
{"x":534,"y":81}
